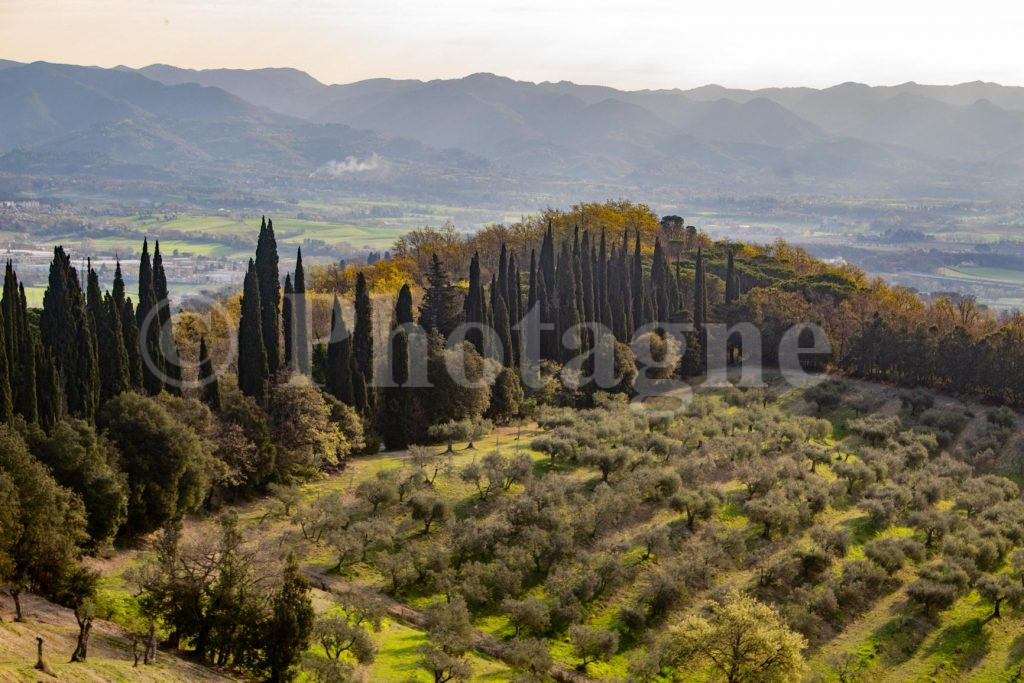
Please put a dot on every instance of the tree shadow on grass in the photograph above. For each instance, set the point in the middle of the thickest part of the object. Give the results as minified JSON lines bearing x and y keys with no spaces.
{"x":1015,"y":659}
{"x":898,"y":639}
{"x":963,"y":645}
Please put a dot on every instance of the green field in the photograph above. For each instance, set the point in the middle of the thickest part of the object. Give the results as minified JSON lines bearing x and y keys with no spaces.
{"x":1007,"y":275}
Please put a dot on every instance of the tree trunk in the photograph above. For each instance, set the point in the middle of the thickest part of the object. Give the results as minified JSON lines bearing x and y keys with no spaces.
{"x":82,"y":647}
{"x":16,"y":596}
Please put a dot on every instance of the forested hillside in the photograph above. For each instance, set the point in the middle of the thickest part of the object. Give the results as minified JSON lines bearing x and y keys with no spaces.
{"x":212,"y":478}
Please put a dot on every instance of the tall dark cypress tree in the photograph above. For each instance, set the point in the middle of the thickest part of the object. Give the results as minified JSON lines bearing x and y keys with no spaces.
{"x":19,"y":343}
{"x":502,"y":273}
{"x":587,"y":278}
{"x":208,"y":379}
{"x":531,"y":295}
{"x":362,"y":344}
{"x":660,"y":284}
{"x":129,"y":329}
{"x":567,"y":312}
{"x":152,"y":360}
{"x":50,"y":397}
{"x":700,"y":295}
{"x":168,"y":345}
{"x":601,"y":303}
{"x":515,"y":303}
{"x":731,"y":280}
{"x":253,"y":372}
{"x":287,"y":321}
{"x":473,"y":306}
{"x":300,"y":345}
{"x":65,"y":329}
{"x":546,"y":261}
{"x":115,"y":377}
{"x":6,"y":397}
{"x":339,"y":357}
{"x":397,"y":419}
{"x":624,"y":280}
{"x":270,"y":293}
{"x":548,"y":342}
{"x":637,"y":286}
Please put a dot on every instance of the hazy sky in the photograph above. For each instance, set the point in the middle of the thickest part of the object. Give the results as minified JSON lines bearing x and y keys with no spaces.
{"x":638,"y":44}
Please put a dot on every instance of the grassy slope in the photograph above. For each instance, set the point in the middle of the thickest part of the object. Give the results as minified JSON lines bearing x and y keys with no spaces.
{"x":892,"y":644}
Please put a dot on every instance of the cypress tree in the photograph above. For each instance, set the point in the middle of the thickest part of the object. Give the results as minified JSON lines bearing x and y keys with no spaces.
{"x":300,"y":345}
{"x":700,"y":295}
{"x":6,"y":397}
{"x":568,"y":314}
{"x":660,"y":287}
{"x":397,"y":420}
{"x":548,"y":344}
{"x":287,"y":319}
{"x":531,"y":296}
{"x":168,"y":345}
{"x":362,"y":343}
{"x":253,"y":372}
{"x":50,"y":397}
{"x":602,"y":305}
{"x":473,"y":305}
{"x":19,"y":343}
{"x":438,"y":311}
{"x":637,"y":286}
{"x":115,"y":377}
{"x":129,"y":330}
{"x":269,"y":279}
{"x":10,"y":306}
{"x":547,"y":261}
{"x":514,"y":302}
{"x":502,"y":274}
{"x":623,"y":281}
{"x":503,"y":330}
{"x":149,"y":327}
{"x":587,"y":278}
{"x":731,"y":280}
{"x":207,"y":378}
{"x":577,"y":271}
{"x":339,"y":357}
{"x":65,"y":329}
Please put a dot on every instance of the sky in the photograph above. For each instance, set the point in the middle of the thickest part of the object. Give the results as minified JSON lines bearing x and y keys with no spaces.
{"x":626,"y":44}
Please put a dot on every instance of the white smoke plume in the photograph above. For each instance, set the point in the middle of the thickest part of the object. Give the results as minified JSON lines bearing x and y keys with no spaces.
{"x":349,"y":165}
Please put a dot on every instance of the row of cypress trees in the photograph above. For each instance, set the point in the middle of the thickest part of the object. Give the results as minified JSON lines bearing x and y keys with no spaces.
{"x":586,"y":281}
{"x":84,"y":347}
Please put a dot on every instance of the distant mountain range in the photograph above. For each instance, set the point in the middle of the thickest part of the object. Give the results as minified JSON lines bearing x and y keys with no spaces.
{"x":284,"y":126}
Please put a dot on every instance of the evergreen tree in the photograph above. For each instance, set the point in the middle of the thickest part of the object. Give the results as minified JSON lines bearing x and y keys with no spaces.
{"x":115,"y":376}
{"x":577,"y":270}
{"x":515,"y":305}
{"x":65,"y":329}
{"x":168,"y":346}
{"x":129,"y":328}
{"x":269,"y":279}
{"x":547,"y":261}
{"x":660,"y":283}
{"x":19,"y":345}
{"x":622,"y":280}
{"x":362,"y":346}
{"x":287,"y":321}
{"x":300,"y":345}
{"x":567,"y":313}
{"x":6,"y":397}
{"x":587,"y":278}
{"x":253,"y":372}
{"x":339,"y":357}
{"x":473,"y":306}
{"x":149,"y":327}
{"x":207,"y":378}
{"x":731,"y":279}
{"x":700,"y":294}
{"x":637,"y":287}
{"x":397,"y":421}
{"x":49,"y":395}
{"x":504,"y":332}
{"x":601,"y":303}
{"x":290,"y":625}
{"x":438,"y":310}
